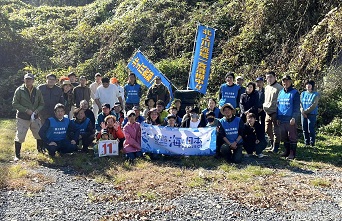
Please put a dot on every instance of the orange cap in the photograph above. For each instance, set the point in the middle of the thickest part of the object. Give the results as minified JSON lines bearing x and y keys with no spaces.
{"x":113,"y":80}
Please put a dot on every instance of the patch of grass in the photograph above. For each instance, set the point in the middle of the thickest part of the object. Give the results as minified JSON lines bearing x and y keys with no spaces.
{"x":17,"y":171}
{"x":319,"y":182}
{"x":227,"y":167}
{"x":196,"y":182}
{"x":257,"y":171}
{"x":149,"y":196}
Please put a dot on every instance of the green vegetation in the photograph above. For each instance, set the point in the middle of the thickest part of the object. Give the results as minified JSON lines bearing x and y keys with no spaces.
{"x":302,"y":38}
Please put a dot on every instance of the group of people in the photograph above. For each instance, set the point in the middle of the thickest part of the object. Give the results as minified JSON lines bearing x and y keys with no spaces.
{"x":61,"y":120}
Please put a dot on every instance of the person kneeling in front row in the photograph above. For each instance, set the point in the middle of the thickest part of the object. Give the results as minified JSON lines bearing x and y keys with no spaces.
{"x":231,"y":133}
{"x":55,"y":132}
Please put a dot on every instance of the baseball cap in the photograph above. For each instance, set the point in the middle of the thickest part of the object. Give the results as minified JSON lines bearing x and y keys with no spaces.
{"x":98,"y":75}
{"x":130,"y":112}
{"x":28,"y":76}
{"x":171,"y":116}
{"x":136,"y":108}
{"x":117,"y":104}
{"x":106,"y":105}
{"x":239,"y":77}
{"x":286,"y":77}
{"x":259,"y":79}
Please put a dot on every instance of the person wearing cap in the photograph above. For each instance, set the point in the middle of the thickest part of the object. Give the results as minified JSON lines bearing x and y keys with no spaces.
{"x":114,"y":130}
{"x":81,"y":92}
{"x":138,"y":117}
{"x":309,"y":110}
{"x":72,"y":78}
{"x":52,"y":95}
{"x":171,"y":120}
{"x":93,"y":87}
{"x":160,"y":105}
{"x":133,"y":92}
{"x":158,"y":91}
{"x":270,"y":107}
{"x":149,"y":103}
{"x":249,"y":101}
{"x":118,"y":113}
{"x":107,"y":94}
{"x":261,"y":94}
{"x":28,"y":101}
{"x":230,"y":134}
{"x":239,"y":82}
{"x":288,"y":115}
{"x":62,"y":79}
{"x":84,"y":128}
{"x":56,"y":131}
{"x":68,"y":97}
{"x":132,"y":132}
{"x":229,"y":92}
{"x":101,"y":116}
{"x":193,"y":121}
{"x":153,"y":117}
{"x":211,"y":108}
{"x":104,"y":136}
{"x":178,"y":104}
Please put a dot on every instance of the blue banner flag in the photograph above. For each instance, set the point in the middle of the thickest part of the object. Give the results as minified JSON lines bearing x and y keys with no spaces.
{"x":178,"y":141}
{"x":147,"y":72}
{"x":200,"y":70}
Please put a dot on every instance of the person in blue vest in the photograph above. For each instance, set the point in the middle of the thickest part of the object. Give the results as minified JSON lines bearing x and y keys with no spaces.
{"x":211,"y":107}
{"x":84,"y":127}
{"x":229,"y":92}
{"x":288,"y":113}
{"x":231,"y":133}
{"x":56,"y":131}
{"x":309,"y":110}
{"x":132,"y":92}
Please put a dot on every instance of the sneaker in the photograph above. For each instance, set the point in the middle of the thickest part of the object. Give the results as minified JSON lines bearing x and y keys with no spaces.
{"x":261,"y":156}
{"x":16,"y":159}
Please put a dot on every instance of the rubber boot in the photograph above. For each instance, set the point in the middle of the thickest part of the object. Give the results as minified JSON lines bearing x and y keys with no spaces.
{"x":287,"y":150}
{"x":40,"y":146}
{"x":275,"y":147}
{"x":293,"y":148}
{"x":17,"y":147}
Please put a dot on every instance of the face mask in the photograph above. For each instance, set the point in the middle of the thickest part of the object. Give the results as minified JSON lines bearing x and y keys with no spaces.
{"x":210,"y":120}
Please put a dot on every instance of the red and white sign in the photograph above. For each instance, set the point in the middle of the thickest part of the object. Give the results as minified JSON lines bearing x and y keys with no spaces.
{"x":108,"y":148}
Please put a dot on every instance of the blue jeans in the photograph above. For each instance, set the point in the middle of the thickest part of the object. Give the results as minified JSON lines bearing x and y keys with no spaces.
{"x":308,"y":125}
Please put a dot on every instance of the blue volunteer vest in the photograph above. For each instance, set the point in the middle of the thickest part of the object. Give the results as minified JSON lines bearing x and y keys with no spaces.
{"x":285,"y":103}
{"x":229,"y":94}
{"x":307,"y":100}
{"x":132,"y":93}
{"x":216,"y":112}
{"x":231,"y":129}
{"x":81,"y":126}
{"x":58,"y":129}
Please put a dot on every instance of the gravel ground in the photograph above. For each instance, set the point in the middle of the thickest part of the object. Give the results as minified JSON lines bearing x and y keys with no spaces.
{"x":70,"y":198}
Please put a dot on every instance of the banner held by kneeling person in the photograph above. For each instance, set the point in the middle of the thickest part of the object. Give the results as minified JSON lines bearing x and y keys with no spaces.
{"x":108,"y":148}
{"x":178,"y":141}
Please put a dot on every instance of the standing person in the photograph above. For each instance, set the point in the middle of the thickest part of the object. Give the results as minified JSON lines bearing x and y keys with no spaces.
{"x":288,"y":113}
{"x":68,"y":97}
{"x":84,"y":128}
{"x":28,"y":101}
{"x":107,"y":94}
{"x":88,"y":113}
{"x":55,"y":132}
{"x":229,"y":92}
{"x":211,"y":107}
{"x":93,"y":87}
{"x":52,"y":95}
{"x":230,"y":134}
{"x":239,"y":82}
{"x":132,"y":92}
{"x":116,"y":82}
{"x":261,"y":92}
{"x":132,"y":132}
{"x":249,"y":101}
{"x":270,"y":107}
{"x":73,"y":79}
{"x":309,"y":110}
{"x":82,"y":92}
{"x":159,"y":91}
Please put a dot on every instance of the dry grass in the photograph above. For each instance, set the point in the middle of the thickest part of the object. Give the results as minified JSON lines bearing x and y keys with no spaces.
{"x":270,"y":184}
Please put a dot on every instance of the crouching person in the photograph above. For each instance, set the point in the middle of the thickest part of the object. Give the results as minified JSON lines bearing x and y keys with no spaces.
{"x":84,"y":127}
{"x":132,"y":132}
{"x":55,"y":131}
{"x":231,"y":133}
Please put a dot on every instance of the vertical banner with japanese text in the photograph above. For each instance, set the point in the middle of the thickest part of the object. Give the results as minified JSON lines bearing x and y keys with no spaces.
{"x":178,"y":141}
{"x":198,"y":79}
{"x":146,"y":72}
